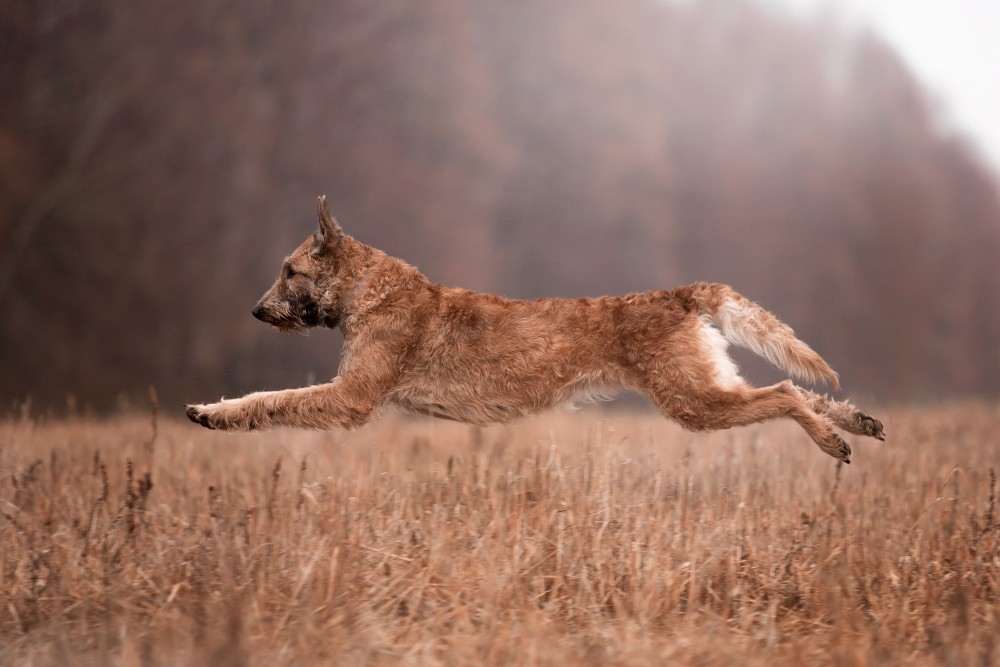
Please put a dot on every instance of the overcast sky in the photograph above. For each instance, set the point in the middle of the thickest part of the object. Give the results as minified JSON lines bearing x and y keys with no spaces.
{"x":953,"y":46}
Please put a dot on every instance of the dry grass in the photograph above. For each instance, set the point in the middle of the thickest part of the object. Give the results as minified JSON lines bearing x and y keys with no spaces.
{"x":584,"y":538}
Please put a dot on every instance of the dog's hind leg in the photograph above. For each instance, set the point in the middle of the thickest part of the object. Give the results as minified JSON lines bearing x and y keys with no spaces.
{"x":712,"y":407}
{"x":844,"y":415}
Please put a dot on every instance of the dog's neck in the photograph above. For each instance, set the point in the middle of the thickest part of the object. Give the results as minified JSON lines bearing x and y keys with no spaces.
{"x":373,"y":280}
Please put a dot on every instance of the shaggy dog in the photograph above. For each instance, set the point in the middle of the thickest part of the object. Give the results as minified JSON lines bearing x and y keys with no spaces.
{"x":482,"y":359}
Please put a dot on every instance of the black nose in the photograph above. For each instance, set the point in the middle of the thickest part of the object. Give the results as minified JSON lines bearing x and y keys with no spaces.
{"x":258,"y":312}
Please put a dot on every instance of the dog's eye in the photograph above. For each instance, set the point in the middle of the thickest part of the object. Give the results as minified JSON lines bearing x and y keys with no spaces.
{"x":291,"y":273}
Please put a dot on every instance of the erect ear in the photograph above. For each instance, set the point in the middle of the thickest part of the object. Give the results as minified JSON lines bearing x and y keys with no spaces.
{"x":329,"y":232}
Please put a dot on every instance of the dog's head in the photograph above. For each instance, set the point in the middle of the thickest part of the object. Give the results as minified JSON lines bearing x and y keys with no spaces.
{"x":307,"y":292}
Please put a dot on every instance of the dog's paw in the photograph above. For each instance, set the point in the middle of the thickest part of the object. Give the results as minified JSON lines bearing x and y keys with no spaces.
{"x":200,"y":414}
{"x":839,"y":449}
{"x":224,"y":416}
{"x":870,"y":426}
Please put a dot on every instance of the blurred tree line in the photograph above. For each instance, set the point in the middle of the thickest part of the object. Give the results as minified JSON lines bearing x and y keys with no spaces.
{"x":158,"y":159}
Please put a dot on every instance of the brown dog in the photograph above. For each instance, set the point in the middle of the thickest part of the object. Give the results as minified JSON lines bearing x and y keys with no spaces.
{"x":482,"y":359}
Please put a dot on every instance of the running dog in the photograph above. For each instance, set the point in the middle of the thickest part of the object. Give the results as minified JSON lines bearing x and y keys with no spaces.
{"x":482,"y":359}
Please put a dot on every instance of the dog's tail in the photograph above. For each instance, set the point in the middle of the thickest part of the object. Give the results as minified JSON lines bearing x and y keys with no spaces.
{"x":747,"y":325}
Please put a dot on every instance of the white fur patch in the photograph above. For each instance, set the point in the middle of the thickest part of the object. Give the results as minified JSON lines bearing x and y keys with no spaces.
{"x":592,"y":392}
{"x":741,"y":325}
{"x":737,"y":321}
{"x":727,"y":374}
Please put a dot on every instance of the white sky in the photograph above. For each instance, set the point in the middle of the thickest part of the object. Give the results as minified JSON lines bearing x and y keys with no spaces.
{"x":953,"y":46}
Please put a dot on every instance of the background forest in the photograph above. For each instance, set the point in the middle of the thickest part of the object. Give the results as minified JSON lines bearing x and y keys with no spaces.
{"x":158,"y":159}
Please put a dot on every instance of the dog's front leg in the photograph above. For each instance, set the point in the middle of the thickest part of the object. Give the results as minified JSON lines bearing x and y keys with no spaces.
{"x":339,"y":404}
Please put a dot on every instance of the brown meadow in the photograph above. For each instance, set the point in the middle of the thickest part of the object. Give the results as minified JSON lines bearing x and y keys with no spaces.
{"x":592,"y":537}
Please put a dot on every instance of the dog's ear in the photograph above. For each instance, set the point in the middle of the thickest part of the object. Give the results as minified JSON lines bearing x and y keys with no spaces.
{"x":329,"y":232}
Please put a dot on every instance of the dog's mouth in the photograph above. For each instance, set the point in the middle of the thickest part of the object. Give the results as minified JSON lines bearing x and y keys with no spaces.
{"x":284,"y":321}
{"x":297,"y":320}
{"x":286,"y":325}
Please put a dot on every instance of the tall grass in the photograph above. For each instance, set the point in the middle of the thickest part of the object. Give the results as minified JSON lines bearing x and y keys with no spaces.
{"x":594,"y":537}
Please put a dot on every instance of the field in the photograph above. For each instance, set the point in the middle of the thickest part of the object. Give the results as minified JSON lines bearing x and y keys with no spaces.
{"x":579,"y":538}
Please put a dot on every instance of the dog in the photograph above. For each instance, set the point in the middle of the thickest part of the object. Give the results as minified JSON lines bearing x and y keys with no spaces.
{"x":483,"y":359}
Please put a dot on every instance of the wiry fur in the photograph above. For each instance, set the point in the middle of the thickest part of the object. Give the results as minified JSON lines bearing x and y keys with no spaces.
{"x":749,"y":326}
{"x":482,"y":359}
